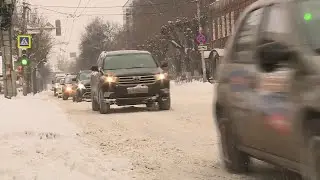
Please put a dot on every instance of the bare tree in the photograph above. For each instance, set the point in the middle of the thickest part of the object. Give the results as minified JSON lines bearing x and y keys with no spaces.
{"x":98,"y":36}
{"x":169,"y":26}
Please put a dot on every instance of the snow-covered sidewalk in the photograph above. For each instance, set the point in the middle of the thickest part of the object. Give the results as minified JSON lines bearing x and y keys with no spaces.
{"x":38,"y":142}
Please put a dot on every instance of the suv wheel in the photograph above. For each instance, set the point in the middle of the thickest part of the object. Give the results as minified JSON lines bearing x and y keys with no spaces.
{"x":165,"y":104}
{"x":65,"y":97}
{"x":151,"y":106}
{"x":104,"y":107}
{"x":94,"y":104}
{"x":235,"y":160}
{"x":78,"y":97}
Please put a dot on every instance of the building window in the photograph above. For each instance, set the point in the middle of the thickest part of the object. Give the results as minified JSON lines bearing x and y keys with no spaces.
{"x":223,"y":26}
{"x":232,"y":21}
{"x":213,"y":30}
{"x":228,"y":24}
{"x":219,"y":26}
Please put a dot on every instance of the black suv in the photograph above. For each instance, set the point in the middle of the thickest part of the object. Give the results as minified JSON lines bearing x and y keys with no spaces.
{"x":129,"y":77}
{"x":268,"y":93}
{"x":82,"y":86}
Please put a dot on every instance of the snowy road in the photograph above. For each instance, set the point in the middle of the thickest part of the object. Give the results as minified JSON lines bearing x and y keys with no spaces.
{"x":46,"y":138}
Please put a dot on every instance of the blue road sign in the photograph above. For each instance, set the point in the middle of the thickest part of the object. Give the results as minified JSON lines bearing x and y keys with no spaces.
{"x":201,"y":39}
{"x":24,"y":41}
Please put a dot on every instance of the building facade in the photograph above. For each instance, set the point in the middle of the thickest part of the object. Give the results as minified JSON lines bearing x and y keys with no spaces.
{"x":223,"y":15}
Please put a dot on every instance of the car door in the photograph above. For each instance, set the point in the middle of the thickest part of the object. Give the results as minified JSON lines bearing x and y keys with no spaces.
{"x":276,"y":86}
{"x":242,"y":78}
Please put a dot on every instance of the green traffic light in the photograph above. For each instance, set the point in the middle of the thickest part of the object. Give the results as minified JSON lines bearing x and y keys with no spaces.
{"x":24,"y":62}
{"x":307,"y":16}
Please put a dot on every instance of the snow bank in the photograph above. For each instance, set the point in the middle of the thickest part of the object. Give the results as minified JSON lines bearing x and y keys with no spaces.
{"x":32,"y":114}
{"x":38,"y":142}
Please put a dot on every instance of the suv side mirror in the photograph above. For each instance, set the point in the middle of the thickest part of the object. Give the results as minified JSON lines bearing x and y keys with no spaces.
{"x":95,"y":68}
{"x":164,"y":65}
{"x":273,"y":54}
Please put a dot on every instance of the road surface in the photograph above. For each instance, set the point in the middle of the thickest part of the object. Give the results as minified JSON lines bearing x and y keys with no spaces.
{"x":43,"y":137}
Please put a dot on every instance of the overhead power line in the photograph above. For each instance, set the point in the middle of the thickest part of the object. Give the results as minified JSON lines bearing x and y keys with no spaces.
{"x":104,"y":7}
{"x":111,"y":14}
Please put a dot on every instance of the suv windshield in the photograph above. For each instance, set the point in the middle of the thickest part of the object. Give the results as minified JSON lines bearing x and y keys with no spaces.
{"x":84,"y":76}
{"x":309,"y":18}
{"x":127,"y":61}
{"x":58,"y":79}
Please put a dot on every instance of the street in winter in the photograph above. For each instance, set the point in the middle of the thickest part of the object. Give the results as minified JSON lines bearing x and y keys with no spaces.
{"x":159,"y":90}
{"x":45,"y":138}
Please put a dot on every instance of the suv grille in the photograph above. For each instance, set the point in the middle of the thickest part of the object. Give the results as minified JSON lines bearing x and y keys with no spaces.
{"x":88,"y":88}
{"x":133,"y":80}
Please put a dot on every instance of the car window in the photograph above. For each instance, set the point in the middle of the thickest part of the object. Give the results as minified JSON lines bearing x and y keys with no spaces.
{"x":248,"y":31}
{"x":277,"y":24}
{"x":127,"y":61}
{"x":247,"y":36}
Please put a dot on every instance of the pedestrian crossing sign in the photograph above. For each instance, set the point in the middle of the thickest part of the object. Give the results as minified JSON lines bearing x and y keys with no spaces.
{"x":24,"y":41}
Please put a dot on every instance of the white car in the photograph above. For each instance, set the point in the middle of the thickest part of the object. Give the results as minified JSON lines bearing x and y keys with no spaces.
{"x":59,"y":88}
{"x":56,"y":85}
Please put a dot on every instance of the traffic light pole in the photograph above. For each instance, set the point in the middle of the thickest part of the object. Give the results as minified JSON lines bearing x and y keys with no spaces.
{"x":26,"y":72}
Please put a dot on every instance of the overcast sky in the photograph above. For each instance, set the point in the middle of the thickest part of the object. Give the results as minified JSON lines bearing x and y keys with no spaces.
{"x":72,"y":28}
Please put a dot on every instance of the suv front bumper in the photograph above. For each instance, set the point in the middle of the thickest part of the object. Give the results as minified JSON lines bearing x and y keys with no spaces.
{"x":85,"y":93}
{"x":118,"y":94}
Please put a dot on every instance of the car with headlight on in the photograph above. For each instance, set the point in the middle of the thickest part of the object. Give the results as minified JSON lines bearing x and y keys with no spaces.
{"x":129,"y":77}
{"x":82,"y":86}
{"x":59,"y":88}
{"x":56,"y":84}
{"x":68,"y":86}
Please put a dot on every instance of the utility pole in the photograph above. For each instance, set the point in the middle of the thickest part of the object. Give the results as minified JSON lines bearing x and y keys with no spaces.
{"x":203,"y":62}
{"x":7,"y":8}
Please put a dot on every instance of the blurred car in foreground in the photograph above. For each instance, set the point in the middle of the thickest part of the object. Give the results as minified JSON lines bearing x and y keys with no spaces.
{"x":267,"y":104}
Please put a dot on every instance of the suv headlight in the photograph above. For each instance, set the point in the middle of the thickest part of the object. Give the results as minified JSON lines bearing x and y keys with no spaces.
{"x":81,"y":86}
{"x":68,"y":88}
{"x":110,"y":79}
{"x":161,"y":76}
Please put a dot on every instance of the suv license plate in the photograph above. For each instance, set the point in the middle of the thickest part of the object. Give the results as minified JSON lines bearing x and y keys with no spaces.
{"x":138,"y":90}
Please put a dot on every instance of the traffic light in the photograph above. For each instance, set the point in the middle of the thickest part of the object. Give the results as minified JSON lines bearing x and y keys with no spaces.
{"x":24,"y":58}
{"x":58,"y":27}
